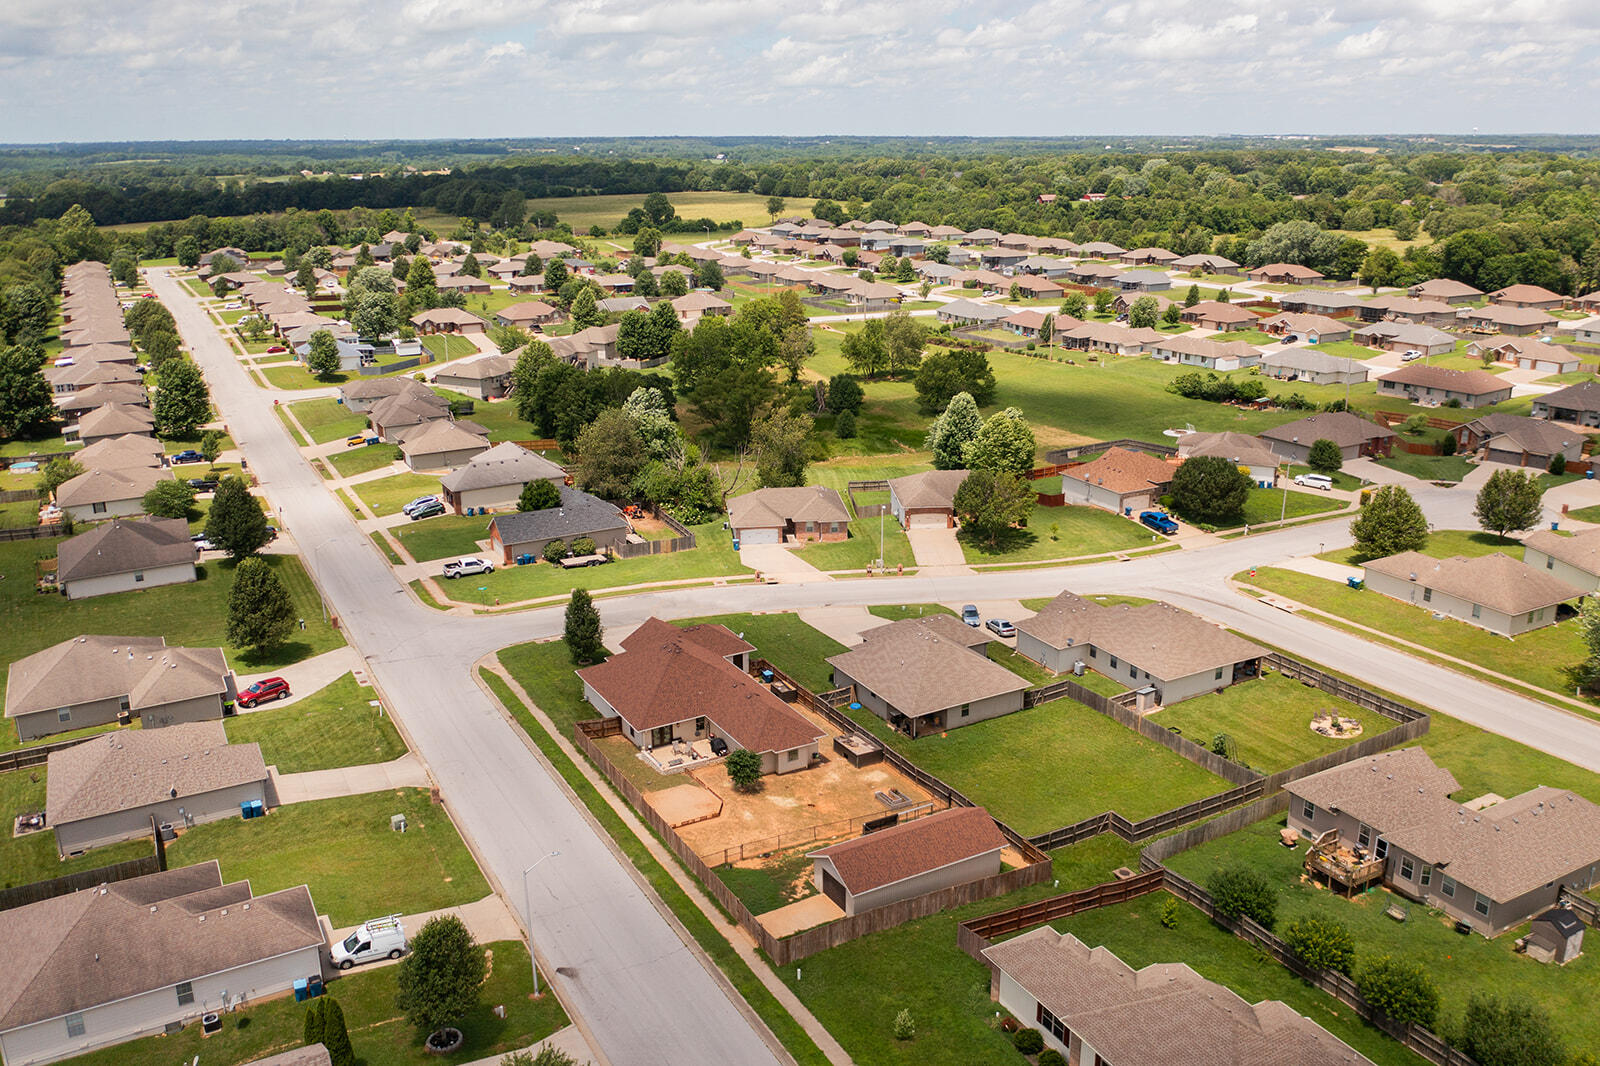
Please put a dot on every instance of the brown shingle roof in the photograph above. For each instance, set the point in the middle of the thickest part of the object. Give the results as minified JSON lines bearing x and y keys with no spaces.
{"x":1583,"y":396}
{"x":1240,"y":449}
{"x":122,"y":546}
{"x":765,"y":508}
{"x":1217,"y":311}
{"x":1341,"y":427}
{"x":137,"y":767}
{"x":1161,"y":639}
{"x":668,"y":674}
{"x":931,"y":488}
{"x":106,"y":485}
{"x":115,"y":453}
{"x":1444,"y":289}
{"x":1496,"y":581}
{"x":1524,"y":294}
{"x":1581,"y":551}
{"x":504,"y":464}
{"x":1122,"y":470}
{"x":918,"y":672}
{"x":913,"y":848}
{"x":1470,"y":382}
{"x":1506,"y":315}
{"x":1537,"y":436}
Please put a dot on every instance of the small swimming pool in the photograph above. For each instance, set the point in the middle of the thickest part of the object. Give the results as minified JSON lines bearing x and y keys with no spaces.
{"x":29,"y":465}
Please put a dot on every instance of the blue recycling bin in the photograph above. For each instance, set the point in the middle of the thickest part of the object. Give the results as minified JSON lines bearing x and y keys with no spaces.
{"x":314,"y":986}
{"x":244,"y":809}
{"x":257,"y":809}
{"x":301,"y":989}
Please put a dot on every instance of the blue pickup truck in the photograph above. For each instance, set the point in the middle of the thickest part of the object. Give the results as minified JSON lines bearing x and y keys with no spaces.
{"x":1159,"y":521}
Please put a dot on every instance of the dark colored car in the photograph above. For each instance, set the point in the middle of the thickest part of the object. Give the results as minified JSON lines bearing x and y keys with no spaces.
{"x":719,"y":747}
{"x":188,"y":455}
{"x":427,"y":510}
{"x":268,"y":688}
{"x":202,"y":484}
{"x":1161,"y":523}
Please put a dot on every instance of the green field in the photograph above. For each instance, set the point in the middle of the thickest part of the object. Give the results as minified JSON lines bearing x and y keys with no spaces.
{"x":581,"y":212}
{"x":326,"y":419}
{"x":1268,"y":505}
{"x":345,"y":851}
{"x":1058,"y":533}
{"x":334,"y":726}
{"x":863,"y":546}
{"x":1429,"y":467}
{"x":444,"y":537}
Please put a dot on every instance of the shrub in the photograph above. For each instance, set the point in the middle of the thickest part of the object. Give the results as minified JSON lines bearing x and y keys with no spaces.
{"x":1028,"y":1041}
{"x":439,"y":980}
{"x":1452,"y":402}
{"x":1447,"y":446}
{"x":1325,"y":456}
{"x":555,"y":551}
{"x":583,"y":546}
{"x":1558,"y":464}
{"x":905,"y":1026}
{"x":1322,"y":942}
{"x":1169,"y":913}
{"x":1400,"y":990}
{"x":744,"y":769}
{"x":1050,"y":1056}
{"x":845,"y":426}
{"x":1244,"y":893}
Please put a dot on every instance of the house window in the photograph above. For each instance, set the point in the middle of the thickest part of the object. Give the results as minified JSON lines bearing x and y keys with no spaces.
{"x":1382,"y":850}
{"x":1427,"y":876}
{"x":966,"y":708}
{"x":1093,"y":654}
{"x":1549,"y":563}
{"x":74,"y":1025}
{"x":63,"y":714}
{"x":700,"y":725}
{"x":1481,"y":904}
{"x":1447,"y":886}
{"x":185,"y":993}
{"x":1364,"y":836}
{"x":138,"y":576}
{"x":794,"y":756}
{"x":1053,"y":1025}
{"x":1219,"y":674}
{"x":1308,"y":810}
{"x":1133,"y":671}
{"x":1407,"y":868}
{"x":1113,"y":662}
{"x":1427,"y":595}
{"x":97,"y":508}
{"x":1477,"y":610}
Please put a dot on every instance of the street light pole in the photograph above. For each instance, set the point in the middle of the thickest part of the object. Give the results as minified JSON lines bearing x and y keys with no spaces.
{"x":527,"y":912}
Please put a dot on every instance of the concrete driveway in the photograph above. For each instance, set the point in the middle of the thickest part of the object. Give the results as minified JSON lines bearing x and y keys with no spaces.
{"x":844,"y":624}
{"x":783,"y":564}
{"x":936,"y":547}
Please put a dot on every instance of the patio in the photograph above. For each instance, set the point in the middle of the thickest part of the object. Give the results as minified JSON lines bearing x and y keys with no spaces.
{"x":679,"y":755}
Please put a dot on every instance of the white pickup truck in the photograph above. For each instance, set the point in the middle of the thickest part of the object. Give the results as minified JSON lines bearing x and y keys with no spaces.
{"x":380,"y":938}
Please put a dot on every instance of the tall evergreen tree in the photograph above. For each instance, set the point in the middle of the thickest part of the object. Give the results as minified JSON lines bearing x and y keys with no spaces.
{"x":260,"y":612}
{"x":583,"y":630}
{"x":236,"y":523}
{"x":952,"y":431}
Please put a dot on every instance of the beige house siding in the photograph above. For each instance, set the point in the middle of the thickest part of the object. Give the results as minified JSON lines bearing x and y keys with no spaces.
{"x":1104,"y":498}
{"x":1129,"y":674}
{"x":1564,"y":571}
{"x":199,"y":709}
{"x":957,"y":873}
{"x":952,"y":717}
{"x":96,"y":512}
{"x":83,"y":588}
{"x":72,"y":837}
{"x":1419,"y":392}
{"x":443,"y":460}
{"x":81,"y":715}
{"x":149,"y":1012}
{"x":1417,"y":592}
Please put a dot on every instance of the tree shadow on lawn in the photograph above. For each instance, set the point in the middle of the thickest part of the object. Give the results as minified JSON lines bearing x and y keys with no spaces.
{"x":1015,"y":539}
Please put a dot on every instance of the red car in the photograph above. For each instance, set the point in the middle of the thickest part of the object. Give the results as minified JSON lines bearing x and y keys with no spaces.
{"x":268,"y":688}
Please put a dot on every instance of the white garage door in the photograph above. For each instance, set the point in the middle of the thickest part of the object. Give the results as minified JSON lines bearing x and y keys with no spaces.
{"x":760,"y":536}
{"x":929,"y":521}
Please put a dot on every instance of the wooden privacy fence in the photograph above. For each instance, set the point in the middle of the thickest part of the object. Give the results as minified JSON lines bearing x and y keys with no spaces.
{"x":33,"y":532}
{"x":22,"y":895}
{"x":866,"y":510}
{"x":683,"y":542}
{"x":1066,"y":455}
{"x":19,"y":495}
{"x":38,"y":754}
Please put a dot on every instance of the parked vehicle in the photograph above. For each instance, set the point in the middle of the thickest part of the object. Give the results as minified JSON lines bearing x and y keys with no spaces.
{"x":427,"y":510}
{"x":1290,"y":339}
{"x":719,"y":747}
{"x":467,"y":567}
{"x":1314,"y":481}
{"x":379,"y":938}
{"x":1159,"y":521}
{"x":355,"y":440}
{"x":969,"y":615}
{"x":1411,"y":355}
{"x":202,"y":543}
{"x":1000,"y":627}
{"x":268,"y":688}
{"x":418,"y":502}
{"x":203,"y":484}
{"x":188,"y":455}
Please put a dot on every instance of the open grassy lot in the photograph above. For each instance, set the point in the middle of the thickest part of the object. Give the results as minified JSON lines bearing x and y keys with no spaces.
{"x":444,"y":537}
{"x":353,"y":461}
{"x":786,"y":642}
{"x":335,"y":726}
{"x":581,"y":212}
{"x":1268,"y":505}
{"x":344,"y":849}
{"x":1460,"y":965}
{"x":714,"y":557}
{"x":291,"y":378}
{"x":326,"y":419}
{"x":1269,"y":719}
{"x":386,"y":496}
{"x":30,"y":858}
{"x":379,"y":1033}
{"x":1056,"y":533}
{"x":771,"y":883}
{"x":909,"y":610}
{"x":1539,"y":658}
{"x":1053,"y":765}
{"x":862,"y":548}
{"x":1442,"y":544}
{"x":1429,"y":467}
{"x":193,"y":615}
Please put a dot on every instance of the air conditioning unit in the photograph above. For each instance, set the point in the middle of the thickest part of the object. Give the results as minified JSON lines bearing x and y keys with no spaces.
{"x":1078,"y":668}
{"x":397,"y":822}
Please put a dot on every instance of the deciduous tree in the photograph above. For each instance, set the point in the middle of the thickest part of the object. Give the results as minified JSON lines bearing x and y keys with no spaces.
{"x":744,"y":769}
{"x":1399,"y":989}
{"x":183,"y":402}
{"x":781,"y":441}
{"x":322,"y":358}
{"x":1322,"y":942}
{"x":1209,"y":488}
{"x":1510,"y":499}
{"x":1325,"y":456}
{"x":439,"y":980}
{"x":1144,"y":312}
{"x":1244,"y":892}
{"x":952,"y":431}
{"x":236,"y":523}
{"x":1513,"y":1031}
{"x":27,"y":410}
{"x":610,"y":453}
{"x":169,"y":499}
{"x":539,"y":495}
{"x":1005,"y":443}
{"x":1389,"y":522}
{"x":989,"y":503}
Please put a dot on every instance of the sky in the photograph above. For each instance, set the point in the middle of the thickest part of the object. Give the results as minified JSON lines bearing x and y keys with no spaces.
{"x":91,"y":70}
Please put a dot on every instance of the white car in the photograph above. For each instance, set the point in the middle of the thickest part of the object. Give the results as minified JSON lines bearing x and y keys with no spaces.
{"x":1411,"y":355}
{"x":467,"y":567}
{"x":1314,"y":481}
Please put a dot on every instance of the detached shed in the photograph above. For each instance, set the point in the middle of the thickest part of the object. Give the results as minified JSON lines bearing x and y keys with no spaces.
{"x":1556,"y":936}
{"x":945,"y":849}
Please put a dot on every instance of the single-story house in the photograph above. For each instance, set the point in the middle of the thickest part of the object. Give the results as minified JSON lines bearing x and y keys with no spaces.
{"x":1125,"y":301}
{"x":462,"y":283}
{"x":579,"y":515}
{"x":616,"y":305}
{"x":1584,"y":331}
{"x":239,"y":256}
{"x":1214,"y":314}
{"x":1312,"y":367}
{"x":1121,"y":480}
{"x":353,"y":352}
{"x":486,"y":378}
{"x":92,"y":680}
{"x":109,"y":492}
{"x":1574,"y":560}
{"x":1397,"y":308}
{"x":1045,"y":266}
{"x":1098,"y":274}
{"x":119,"y":556}
{"x":951,"y":847}
{"x":112,"y":420}
{"x":1093,"y":1009}
{"x":872,"y":296}
{"x":448,"y":320}
{"x":1518,"y":440}
{"x":691,"y":307}
{"x":971,"y":313}
{"x":1025,"y":323}
{"x":788,"y":515}
{"x":1284,"y":274}
{"x":109,"y":788}
{"x":1003,"y":260}
{"x":981,"y":237}
{"x":1589,"y":302}
{"x":527,"y":314}
{"x":1315,"y":328}
{"x":1148,"y":257}
{"x":1445,"y":290}
{"x":1110,"y":338}
{"x":361,"y":394}
{"x":589,"y":348}
{"x":1405,"y":337}
{"x":1541,"y":356}
{"x":524,"y":284}
{"x":1511,"y":319}
{"x":1248,"y":453}
{"x":1204,"y":263}
{"x":925,"y":500}
{"x":116,"y":453}
{"x":1493,"y":592}
{"x":1155,"y":646}
{"x":74,"y":405}
{"x":1189,"y":350}
{"x":1321,"y":302}
{"x":1032,"y":286}
{"x":1354,"y":435}
{"x":494,"y":479}
{"x":131,"y":958}
{"x":925,"y":675}
{"x":675,"y":688}
{"x":1536,"y":296}
{"x":393,"y":415}
{"x":1492,"y":863}
{"x":1142,"y":281}
{"x":1579,"y":403}
{"x":1101,"y":250}
{"x":1434,"y":385}
{"x":441,"y":444}
{"x":616,"y":284}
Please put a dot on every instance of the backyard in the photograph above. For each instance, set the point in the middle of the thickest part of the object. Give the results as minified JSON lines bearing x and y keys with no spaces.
{"x":33,"y":857}
{"x":334,"y":726}
{"x":788,"y":643}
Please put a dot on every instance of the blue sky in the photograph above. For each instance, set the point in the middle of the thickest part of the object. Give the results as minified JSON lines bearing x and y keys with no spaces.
{"x":74,"y":70}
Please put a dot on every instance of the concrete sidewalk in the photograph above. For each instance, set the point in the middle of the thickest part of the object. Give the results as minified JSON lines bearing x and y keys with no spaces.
{"x":308,"y":676}
{"x":404,"y":772}
{"x":487,"y":919}
{"x":568,"y":1040}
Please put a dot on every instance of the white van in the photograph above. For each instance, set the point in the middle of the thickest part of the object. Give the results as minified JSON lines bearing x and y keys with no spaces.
{"x":380,"y":938}
{"x":1314,"y":481}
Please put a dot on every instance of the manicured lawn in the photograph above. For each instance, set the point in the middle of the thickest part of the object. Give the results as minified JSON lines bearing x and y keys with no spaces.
{"x":862,"y":548}
{"x":1429,"y":467}
{"x":1341,"y":480}
{"x":1586,"y":514}
{"x":714,"y":557}
{"x":379,"y":1033}
{"x":446,"y":348}
{"x":1133,"y":931}
{"x":294,"y":430}
{"x":344,"y":849}
{"x":1053,"y":765}
{"x":335,"y":726}
{"x":499,"y":417}
{"x":1442,"y":544}
{"x":192,"y":615}
{"x":353,"y":461}
{"x":1539,"y":658}
{"x":1459,"y":965}
{"x":1268,"y":505}
{"x":546,"y":671}
{"x":909,"y":610}
{"x":1269,"y":720}
{"x":30,"y":858}
{"x":327,"y":419}
{"x":787,"y":643}
{"x":1020,"y":665}
{"x":443,"y":537}
{"x":298,"y":377}
{"x":1057,"y":533}
{"x":386,"y":496}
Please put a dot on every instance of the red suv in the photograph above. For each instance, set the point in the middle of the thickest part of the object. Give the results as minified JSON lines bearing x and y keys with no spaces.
{"x":268,"y":688}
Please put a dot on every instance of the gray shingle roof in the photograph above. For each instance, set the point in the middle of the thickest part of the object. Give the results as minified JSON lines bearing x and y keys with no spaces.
{"x":134,"y":768}
{"x":504,"y":464}
{"x":1158,"y":638}
{"x":580,"y":514}
{"x":89,"y":668}
{"x":107,"y":485}
{"x":1341,"y":427}
{"x":775,"y":507}
{"x":123,"y":546}
{"x":1497,"y":581}
{"x":931,"y":488}
{"x":919,"y":672}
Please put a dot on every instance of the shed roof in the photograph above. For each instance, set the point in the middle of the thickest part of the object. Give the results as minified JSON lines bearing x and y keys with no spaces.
{"x":913,"y":848}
